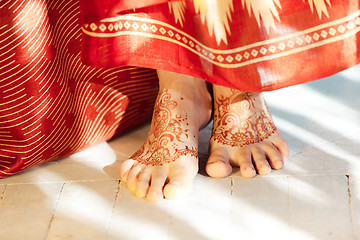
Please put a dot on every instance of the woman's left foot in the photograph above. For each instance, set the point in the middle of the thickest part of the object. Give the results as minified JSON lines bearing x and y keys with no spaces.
{"x":244,"y":135}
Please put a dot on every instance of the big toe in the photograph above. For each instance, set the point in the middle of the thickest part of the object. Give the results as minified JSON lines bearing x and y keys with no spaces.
{"x":180,"y":182}
{"x":177,"y":189}
{"x":218,"y":165}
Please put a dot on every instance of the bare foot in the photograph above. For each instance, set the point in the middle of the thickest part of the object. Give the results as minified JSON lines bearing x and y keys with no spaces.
{"x":167,"y":163}
{"x":244,"y":135}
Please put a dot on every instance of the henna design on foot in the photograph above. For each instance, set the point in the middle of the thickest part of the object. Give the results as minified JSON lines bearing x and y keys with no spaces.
{"x":238,"y":120}
{"x":171,"y":130}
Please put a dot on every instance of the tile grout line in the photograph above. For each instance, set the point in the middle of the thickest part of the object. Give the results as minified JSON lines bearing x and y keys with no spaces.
{"x":2,"y":195}
{"x":288,"y":204}
{"x":54,"y":210}
{"x":169,"y":222}
{"x":348,"y":176}
{"x":62,"y":181}
{"x":303,"y":175}
{"x":113,"y":208}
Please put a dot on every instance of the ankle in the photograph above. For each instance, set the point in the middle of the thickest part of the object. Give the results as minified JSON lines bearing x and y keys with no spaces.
{"x":193,"y":92}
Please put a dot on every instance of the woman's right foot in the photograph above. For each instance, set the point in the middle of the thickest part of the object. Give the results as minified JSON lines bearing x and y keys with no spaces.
{"x":244,"y":135}
{"x":165,"y":166}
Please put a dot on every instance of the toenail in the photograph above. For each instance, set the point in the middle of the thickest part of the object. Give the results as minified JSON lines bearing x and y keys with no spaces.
{"x":139,"y":194}
{"x":154,"y":193}
{"x":265,"y":167}
{"x":132,"y":188}
{"x":176,"y":183}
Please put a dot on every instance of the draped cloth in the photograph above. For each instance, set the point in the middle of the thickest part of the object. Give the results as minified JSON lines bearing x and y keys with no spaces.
{"x":51,"y":104}
{"x":251,"y":45}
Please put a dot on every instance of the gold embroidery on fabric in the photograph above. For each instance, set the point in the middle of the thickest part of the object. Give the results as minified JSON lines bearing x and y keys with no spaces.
{"x":320,"y":6}
{"x":178,"y":8}
{"x":263,"y":10}
{"x":350,"y":17}
{"x":217,"y":15}
{"x":233,"y":58}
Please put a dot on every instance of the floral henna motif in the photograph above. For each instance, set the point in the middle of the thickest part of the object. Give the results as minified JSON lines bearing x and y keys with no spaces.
{"x":241,"y":119}
{"x":166,"y":143}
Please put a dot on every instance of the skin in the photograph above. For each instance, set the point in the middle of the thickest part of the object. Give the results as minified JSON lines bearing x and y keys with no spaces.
{"x":165,"y":166}
{"x":244,"y":135}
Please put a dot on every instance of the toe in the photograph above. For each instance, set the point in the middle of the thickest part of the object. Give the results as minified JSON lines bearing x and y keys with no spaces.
{"x":125,"y":168}
{"x":143,"y":182}
{"x":177,"y":189}
{"x":132,"y":177}
{"x":274,"y":156}
{"x":218,"y":163}
{"x":243,"y":157}
{"x":158,"y":178}
{"x":248,"y":171}
{"x":261,"y":163}
{"x":180,"y":182}
{"x":281,"y":145}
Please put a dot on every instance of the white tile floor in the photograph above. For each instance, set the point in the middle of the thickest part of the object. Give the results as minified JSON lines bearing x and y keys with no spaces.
{"x":317,"y":195}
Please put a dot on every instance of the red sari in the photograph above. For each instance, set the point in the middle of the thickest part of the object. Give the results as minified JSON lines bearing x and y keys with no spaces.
{"x":252,"y":45}
{"x":53,"y":105}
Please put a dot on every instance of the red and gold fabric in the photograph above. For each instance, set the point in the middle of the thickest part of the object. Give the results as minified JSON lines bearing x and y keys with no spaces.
{"x":51,"y":104}
{"x":252,"y":45}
